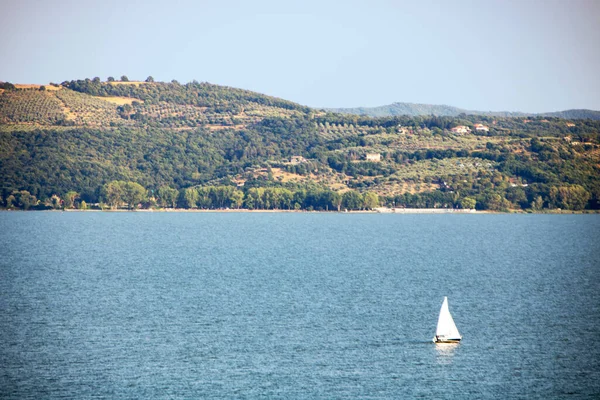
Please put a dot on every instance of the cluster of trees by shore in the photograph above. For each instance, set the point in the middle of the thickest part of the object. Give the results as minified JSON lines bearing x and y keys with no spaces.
{"x":131,"y":195}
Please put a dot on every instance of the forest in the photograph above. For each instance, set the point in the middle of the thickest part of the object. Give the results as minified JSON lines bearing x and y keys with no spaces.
{"x":142,"y":144}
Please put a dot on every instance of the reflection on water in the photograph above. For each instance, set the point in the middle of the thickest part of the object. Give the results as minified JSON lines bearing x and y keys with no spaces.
{"x":445,"y":352}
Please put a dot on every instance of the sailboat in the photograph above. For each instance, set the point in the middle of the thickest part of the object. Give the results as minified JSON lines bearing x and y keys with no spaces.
{"x":446,"y":331}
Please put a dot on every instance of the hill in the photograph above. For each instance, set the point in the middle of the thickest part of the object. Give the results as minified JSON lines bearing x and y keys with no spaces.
{"x":413,"y":109}
{"x":574,"y":114}
{"x":209,"y":146}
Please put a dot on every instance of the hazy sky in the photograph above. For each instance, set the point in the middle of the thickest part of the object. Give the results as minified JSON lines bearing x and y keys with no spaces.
{"x":522,"y":55}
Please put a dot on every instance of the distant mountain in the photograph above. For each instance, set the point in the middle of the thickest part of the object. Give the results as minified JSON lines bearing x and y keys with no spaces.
{"x":414,"y":109}
{"x":410,"y":109}
{"x":575,"y":114}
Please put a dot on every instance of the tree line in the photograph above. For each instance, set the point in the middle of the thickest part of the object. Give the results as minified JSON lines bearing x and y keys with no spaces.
{"x":131,"y":195}
{"x":200,"y":94}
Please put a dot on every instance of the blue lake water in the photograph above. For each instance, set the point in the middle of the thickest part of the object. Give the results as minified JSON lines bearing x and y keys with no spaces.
{"x":300,"y":305}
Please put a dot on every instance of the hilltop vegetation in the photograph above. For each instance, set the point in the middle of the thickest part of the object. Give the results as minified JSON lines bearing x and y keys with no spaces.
{"x":410,"y":109}
{"x":199,"y":145}
{"x":414,"y":110}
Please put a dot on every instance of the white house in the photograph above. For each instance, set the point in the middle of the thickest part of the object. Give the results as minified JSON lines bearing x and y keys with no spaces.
{"x":481,"y":127}
{"x":461,"y":129}
{"x":375,"y":157}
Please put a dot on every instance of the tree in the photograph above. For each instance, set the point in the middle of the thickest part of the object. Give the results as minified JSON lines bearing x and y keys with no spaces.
{"x":468,"y":203}
{"x":299,"y":199}
{"x":10,"y":201}
{"x":150,"y":79}
{"x":286,"y":198}
{"x":236,"y":198}
{"x":271,"y":197}
{"x":495,"y":202}
{"x":204,"y":197}
{"x":125,"y":110}
{"x":69,"y":199}
{"x":110,"y":79}
{"x":190,"y":197}
{"x":133,"y":194}
{"x":113,"y":193}
{"x":517,"y":196}
{"x":573,"y":197}
{"x":53,"y":202}
{"x":24,"y":199}
{"x":124,"y":78}
{"x":336,"y":200}
{"x":352,"y":200}
{"x":537,"y":204}
{"x":370,"y":200}
{"x":167,"y":196}
{"x":7,"y":86}
{"x":255,"y":198}
{"x":220,"y":196}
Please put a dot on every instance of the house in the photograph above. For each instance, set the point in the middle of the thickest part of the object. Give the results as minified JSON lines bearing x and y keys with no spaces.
{"x":461,"y":129}
{"x":570,"y":124}
{"x":481,"y":128}
{"x":375,"y":157}
{"x":297,"y":160}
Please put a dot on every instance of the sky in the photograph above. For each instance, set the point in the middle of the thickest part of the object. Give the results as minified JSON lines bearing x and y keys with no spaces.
{"x":525,"y":55}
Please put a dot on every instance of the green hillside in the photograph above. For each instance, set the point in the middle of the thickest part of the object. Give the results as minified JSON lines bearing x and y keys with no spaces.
{"x":199,"y":145}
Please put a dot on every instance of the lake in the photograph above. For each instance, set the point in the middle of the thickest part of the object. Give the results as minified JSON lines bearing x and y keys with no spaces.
{"x":297,"y":305}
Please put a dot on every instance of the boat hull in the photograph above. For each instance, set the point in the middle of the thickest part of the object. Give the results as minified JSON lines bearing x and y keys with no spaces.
{"x":446,"y":340}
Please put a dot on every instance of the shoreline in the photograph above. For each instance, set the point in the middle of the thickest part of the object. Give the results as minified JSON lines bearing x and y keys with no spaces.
{"x":381,"y":210}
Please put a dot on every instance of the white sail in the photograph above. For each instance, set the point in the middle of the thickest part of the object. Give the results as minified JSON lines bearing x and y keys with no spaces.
{"x":446,"y":328}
